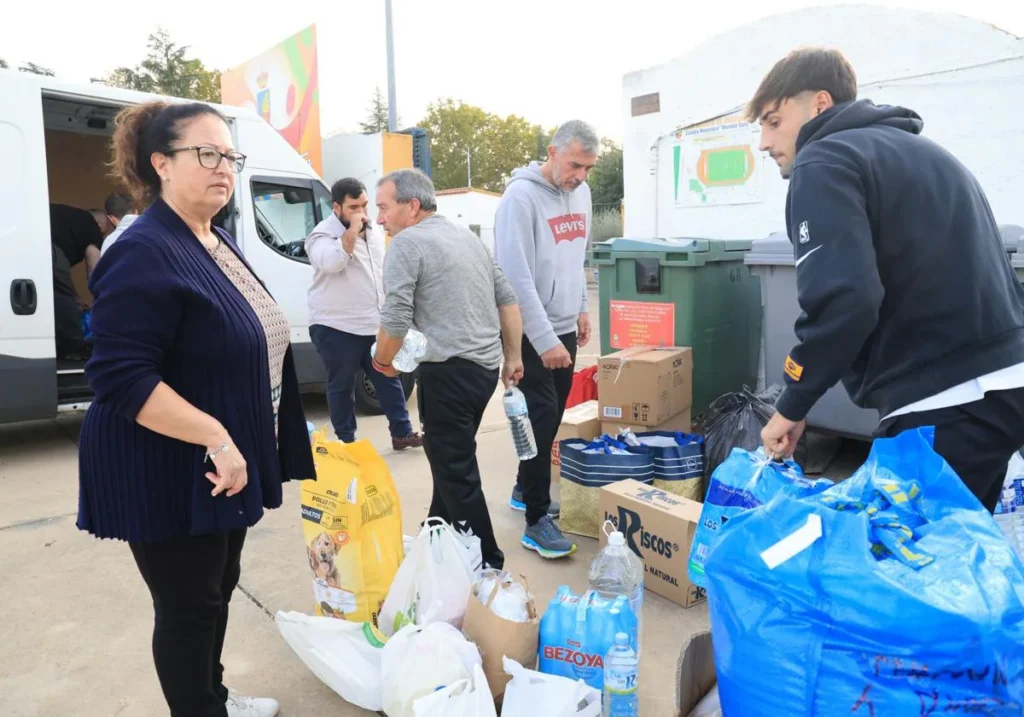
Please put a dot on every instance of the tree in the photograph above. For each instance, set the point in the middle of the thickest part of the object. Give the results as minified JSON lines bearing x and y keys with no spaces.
{"x":377,"y":114}
{"x":606,"y":177}
{"x":167,"y":70}
{"x":35,"y":69}
{"x":496,"y":145}
{"x":544,"y":138}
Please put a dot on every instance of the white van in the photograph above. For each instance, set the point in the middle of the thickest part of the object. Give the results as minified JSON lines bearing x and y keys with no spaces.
{"x":54,"y":148}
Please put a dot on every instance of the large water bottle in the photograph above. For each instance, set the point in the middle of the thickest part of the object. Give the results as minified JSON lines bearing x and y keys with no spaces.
{"x":615,"y":571}
{"x":621,"y":670}
{"x":519,"y":421}
{"x":414,"y":348}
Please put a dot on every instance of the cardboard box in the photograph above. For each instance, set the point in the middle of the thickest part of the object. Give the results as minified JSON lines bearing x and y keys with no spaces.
{"x":695,"y":672}
{"x":659,"y":527}
{"x":680,"y":422}
{"x":580,"y":421}
{"x":645,"y":386}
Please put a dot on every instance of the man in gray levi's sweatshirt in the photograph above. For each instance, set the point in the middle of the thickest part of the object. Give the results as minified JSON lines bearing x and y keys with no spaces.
{"x":440,"y":278}
{"x":540,"y":242}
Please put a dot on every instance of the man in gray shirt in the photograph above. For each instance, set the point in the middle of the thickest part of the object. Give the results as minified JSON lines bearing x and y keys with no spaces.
{"x":441,"y":279}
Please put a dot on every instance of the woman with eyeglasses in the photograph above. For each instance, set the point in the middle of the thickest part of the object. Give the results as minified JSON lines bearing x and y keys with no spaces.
{"x":197,"y":418}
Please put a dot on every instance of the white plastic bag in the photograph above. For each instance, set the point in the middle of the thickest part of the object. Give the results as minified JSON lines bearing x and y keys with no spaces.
{"x":510,"y":599}
{"x":533,"y":694}
{"x":418,"y":661}
{"x":465,"y":698}
{"x":346,"y":656}
{"x":436,"y":569}
{"x":710,"y":706}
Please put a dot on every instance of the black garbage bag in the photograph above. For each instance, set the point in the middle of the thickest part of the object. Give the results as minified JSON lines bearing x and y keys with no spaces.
{"x":735,"y":420}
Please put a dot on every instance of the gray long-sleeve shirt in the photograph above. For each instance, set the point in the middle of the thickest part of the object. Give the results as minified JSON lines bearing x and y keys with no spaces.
{"x":440,"y":278}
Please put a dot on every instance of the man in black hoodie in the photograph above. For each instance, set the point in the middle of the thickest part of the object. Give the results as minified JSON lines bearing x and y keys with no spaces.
{"x":906,"y":291}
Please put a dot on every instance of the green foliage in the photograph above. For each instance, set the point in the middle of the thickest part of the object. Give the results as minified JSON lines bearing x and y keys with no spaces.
{"x":167,"y":70}
{"x":606,"y":177}
{"x":377,"y":115}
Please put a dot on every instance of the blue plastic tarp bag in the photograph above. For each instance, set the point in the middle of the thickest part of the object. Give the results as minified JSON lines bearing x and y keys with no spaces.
{"x":747,"y":479}
{"x":577,"y":632}
{"x":892,"y":593}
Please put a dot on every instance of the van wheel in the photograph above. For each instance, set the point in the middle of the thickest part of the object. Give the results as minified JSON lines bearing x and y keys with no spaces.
{"x":367,"y":402}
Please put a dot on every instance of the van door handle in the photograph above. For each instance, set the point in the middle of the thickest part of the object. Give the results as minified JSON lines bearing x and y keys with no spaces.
{"x":23,"y":297}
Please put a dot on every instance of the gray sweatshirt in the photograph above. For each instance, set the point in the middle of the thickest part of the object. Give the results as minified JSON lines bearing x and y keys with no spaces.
{"x":540,"y":241}
{"x":440,"y":278}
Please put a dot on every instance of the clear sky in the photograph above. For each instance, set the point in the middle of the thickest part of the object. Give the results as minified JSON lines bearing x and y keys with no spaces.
{"x":546,"y":60}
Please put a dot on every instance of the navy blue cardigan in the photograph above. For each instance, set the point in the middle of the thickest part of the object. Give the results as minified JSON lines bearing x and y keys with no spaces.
{"x":164,"y":311}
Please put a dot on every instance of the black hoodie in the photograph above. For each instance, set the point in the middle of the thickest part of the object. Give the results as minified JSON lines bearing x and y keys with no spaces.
{"x":905,"y":286}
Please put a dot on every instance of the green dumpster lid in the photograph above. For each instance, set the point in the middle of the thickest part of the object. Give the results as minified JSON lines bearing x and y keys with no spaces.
{"x":773,"y":250}
{"x":660,"y":244}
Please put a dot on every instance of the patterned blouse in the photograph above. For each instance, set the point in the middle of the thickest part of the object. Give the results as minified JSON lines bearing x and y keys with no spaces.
{"x":273,"y":319}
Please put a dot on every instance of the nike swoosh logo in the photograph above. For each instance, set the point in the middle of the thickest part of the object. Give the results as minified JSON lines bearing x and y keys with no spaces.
{"x":802,"y":259}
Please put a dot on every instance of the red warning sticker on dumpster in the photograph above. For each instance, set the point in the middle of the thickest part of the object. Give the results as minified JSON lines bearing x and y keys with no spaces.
{"x":637,"y":323}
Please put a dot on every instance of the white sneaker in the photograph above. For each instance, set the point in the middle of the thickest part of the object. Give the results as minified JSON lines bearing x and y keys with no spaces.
{"x":239,"y":706}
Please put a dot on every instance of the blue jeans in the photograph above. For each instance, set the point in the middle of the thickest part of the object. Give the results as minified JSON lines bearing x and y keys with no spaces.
{"x":343,"y":354}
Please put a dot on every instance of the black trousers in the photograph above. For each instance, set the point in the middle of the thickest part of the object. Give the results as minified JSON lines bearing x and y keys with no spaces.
{"x":452,"y":398}
{"x":191,"y":581}
{"x":546,"y":394}
{"x":976,"y":439}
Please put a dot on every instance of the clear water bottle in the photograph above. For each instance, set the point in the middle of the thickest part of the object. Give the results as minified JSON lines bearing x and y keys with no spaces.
{"x":617,"y":570}
{"x":519,"y":421}
{"x":414,"y":348}
{"x":621,"y":670}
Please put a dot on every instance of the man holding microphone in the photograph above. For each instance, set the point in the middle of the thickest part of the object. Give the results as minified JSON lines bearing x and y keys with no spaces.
{"x":345,"y":300}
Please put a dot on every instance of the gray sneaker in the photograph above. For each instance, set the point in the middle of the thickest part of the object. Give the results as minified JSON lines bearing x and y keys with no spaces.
{"x":516,"y":502}
{"x":546,"y":538}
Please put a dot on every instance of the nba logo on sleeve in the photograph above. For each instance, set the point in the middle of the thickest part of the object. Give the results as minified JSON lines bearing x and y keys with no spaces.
{"x":805,"y":233}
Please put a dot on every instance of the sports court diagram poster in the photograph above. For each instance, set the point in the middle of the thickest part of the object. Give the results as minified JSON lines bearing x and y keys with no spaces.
{"x":718,"y":162}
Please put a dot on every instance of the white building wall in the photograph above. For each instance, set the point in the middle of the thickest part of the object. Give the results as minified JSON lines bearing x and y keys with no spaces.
{"x":354,"y":155}
{"x":471,"y":208}
{"x":975,"y":113}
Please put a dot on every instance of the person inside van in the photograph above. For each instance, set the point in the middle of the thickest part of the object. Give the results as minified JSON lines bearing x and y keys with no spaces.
{"x":197,"y":419}
{"x":75,"y":236}
{"x":79,"y":233}
{"x":119,"y":209}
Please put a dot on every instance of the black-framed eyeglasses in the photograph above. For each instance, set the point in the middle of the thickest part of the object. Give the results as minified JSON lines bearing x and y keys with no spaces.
{"x":210,"y":157}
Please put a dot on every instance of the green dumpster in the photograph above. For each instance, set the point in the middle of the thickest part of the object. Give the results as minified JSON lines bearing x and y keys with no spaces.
{"x":684,"y":292}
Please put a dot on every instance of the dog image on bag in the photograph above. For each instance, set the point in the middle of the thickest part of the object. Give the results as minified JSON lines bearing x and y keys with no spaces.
{"x":352,"y":523}
{"x":321,"y":560}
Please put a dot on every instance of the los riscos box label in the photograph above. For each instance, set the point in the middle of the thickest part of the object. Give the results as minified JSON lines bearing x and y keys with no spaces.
{"x":658,"y":527}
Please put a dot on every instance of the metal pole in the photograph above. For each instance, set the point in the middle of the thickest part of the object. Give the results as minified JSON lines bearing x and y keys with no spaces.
{"x":392,"y":105}
{"x":469,"y":170}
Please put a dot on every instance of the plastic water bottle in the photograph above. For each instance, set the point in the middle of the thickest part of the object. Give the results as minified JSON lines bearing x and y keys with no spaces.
{"x":615,"y":571}
{"x":519,"y":421}
{"x":621,"y":668}
{"x":414,"y":348}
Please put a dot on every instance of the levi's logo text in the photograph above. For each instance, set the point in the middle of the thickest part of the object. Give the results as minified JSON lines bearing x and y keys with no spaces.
{"x":568,"y":227}
{"x":639,"y":540}
{"x":792,"y":369}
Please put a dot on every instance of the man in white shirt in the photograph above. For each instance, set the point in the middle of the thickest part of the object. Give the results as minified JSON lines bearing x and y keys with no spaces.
{"x":120,"y":213}
{"x":345,"y":300}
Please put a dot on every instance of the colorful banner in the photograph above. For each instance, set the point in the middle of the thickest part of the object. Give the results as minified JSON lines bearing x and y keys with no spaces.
{"x":718,"y":162}
{"x":282,"y":86}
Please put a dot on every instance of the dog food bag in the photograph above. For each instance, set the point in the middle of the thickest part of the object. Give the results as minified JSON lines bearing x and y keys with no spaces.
{"x":352,"y":524}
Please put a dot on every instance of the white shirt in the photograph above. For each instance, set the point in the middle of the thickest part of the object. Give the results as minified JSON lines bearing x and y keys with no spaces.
{"x":113,"y":236}
{"x":348,"y":289}
{"x":968,"y":392}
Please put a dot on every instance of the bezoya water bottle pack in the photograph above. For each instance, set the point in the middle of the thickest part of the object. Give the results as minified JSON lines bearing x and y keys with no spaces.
{"x":595,"y":637}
